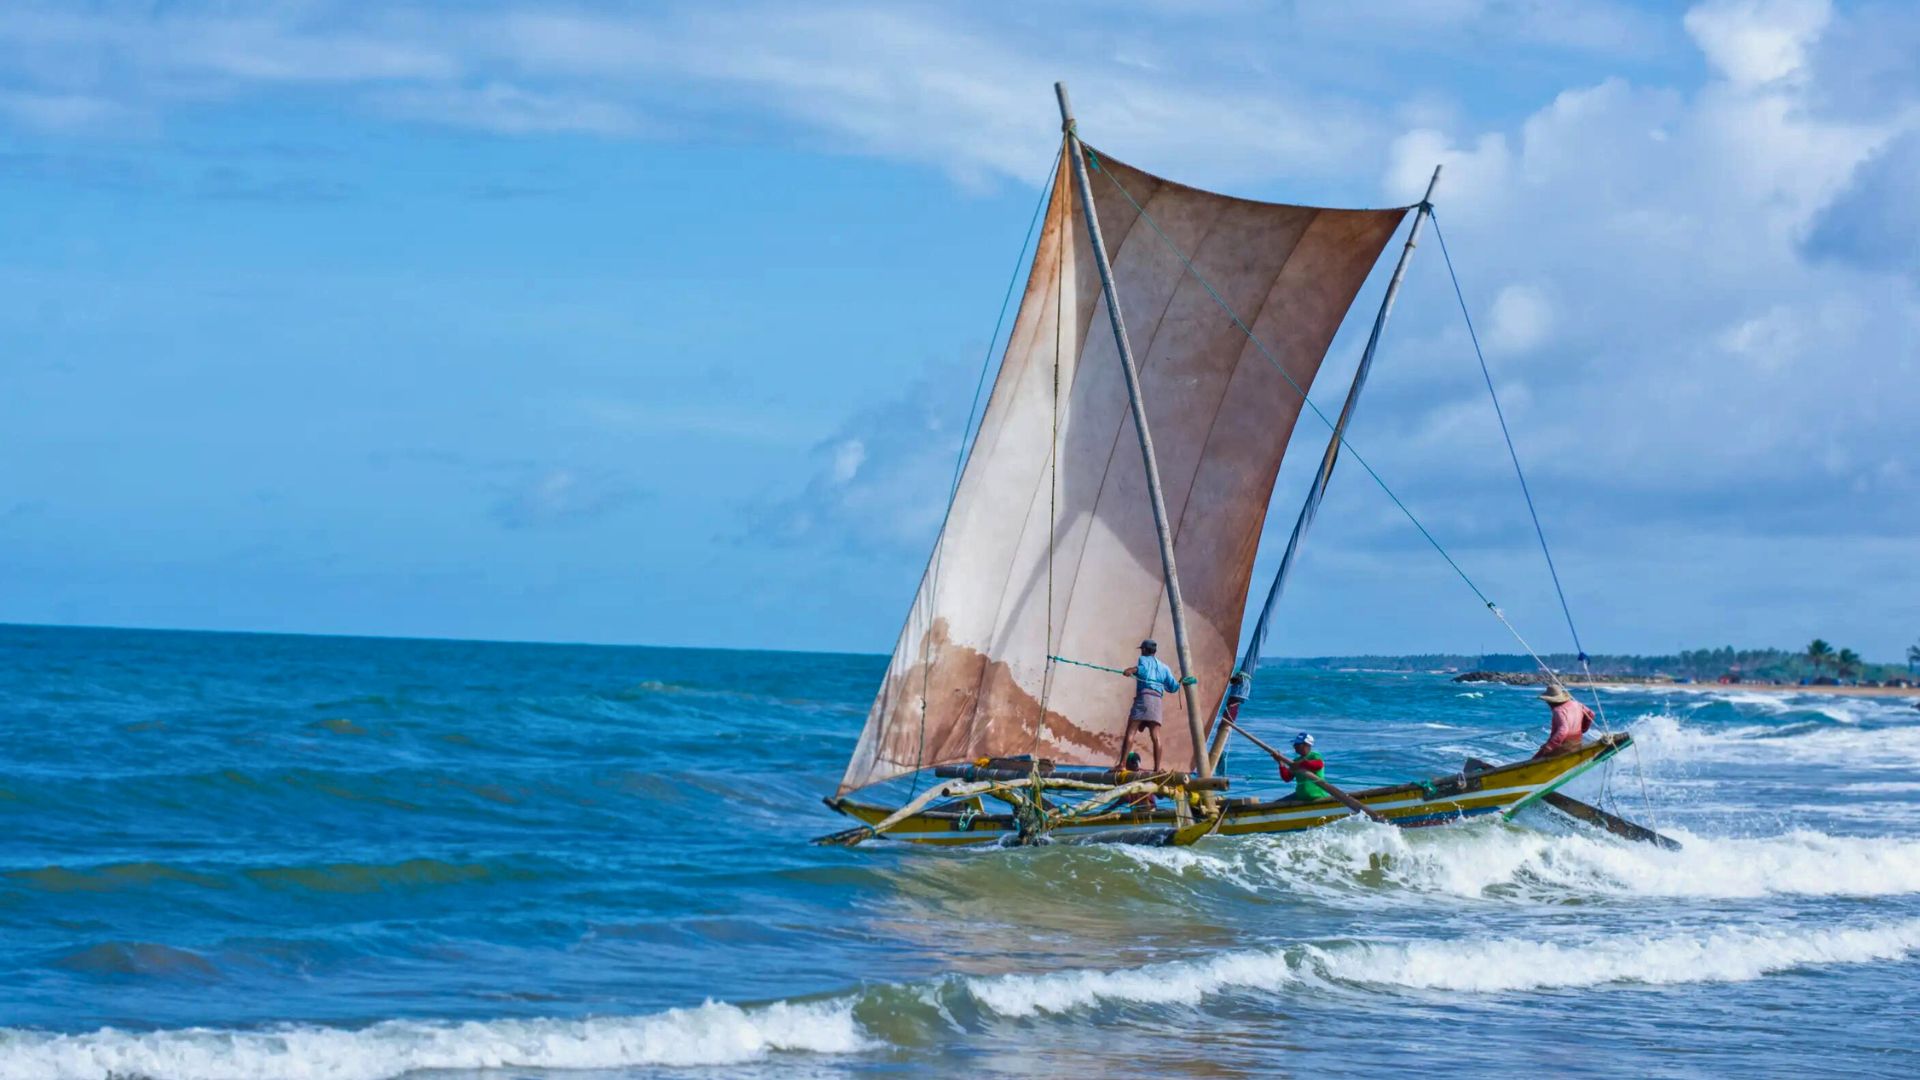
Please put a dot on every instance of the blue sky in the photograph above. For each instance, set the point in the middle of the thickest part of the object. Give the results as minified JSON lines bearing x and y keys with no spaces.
{"x":657,"y":323}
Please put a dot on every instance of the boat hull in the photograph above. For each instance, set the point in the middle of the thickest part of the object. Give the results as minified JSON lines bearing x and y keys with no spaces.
{"x":1502,"y":789}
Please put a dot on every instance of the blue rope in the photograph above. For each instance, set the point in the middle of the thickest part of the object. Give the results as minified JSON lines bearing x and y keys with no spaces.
{"x":1513,"y":453}
{"x":1083,"y":663}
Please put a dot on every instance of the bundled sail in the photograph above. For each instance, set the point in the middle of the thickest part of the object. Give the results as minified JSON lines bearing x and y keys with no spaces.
{"x":1049,"y":547}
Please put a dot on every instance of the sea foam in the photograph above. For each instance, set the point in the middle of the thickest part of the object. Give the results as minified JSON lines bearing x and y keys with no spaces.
{"x":1484,"y":965}
{"x":1665,"y":737}
{"x":712,"y":1034}
{"x":1372,"y":866}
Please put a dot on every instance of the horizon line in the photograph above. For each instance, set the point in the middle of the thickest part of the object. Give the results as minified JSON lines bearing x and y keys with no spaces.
{"x":9,"y":625}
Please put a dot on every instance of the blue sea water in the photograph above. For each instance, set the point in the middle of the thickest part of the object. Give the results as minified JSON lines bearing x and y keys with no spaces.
{"x":227,"y":856}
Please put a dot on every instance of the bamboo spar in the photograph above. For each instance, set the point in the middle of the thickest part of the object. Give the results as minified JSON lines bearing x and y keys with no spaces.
{"x":1202,"y":761}
{"x":1251,"y":660}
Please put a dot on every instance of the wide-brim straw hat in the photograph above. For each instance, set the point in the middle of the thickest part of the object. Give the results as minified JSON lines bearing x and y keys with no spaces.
{"x":1556,"y":695}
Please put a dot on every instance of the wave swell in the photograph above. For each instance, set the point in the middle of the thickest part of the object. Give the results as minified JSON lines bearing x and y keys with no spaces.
{"x":1494,"y":965}
{"x":712,"y":1034}
{"x":1381,"y":866}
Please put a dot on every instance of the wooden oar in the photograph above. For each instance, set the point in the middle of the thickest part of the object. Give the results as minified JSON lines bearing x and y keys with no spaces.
{"x":1595,"y":816}
{"x":1350,"y":802}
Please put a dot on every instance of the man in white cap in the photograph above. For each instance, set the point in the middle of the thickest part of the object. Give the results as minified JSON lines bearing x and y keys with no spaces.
{"x":1306,"y":767}
{"x":1152,"y":680}
{"x":1569,"y":723}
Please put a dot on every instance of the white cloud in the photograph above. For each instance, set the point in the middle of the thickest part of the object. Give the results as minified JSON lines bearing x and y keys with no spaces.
{"x":512,"y":110}
{"x":1521,"y":319}
{"x":1692,"y":370}
{"x":847,"y":458}
{"x":1758,"y":41}
{"x":1470,"y":177}
{"x":879,"y":484}
{"x":964,"y":88}
{"x":1652,"y":231}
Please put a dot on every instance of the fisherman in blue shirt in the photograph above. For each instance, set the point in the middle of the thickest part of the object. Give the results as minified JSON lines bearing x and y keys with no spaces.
{"x":1152,"y":680}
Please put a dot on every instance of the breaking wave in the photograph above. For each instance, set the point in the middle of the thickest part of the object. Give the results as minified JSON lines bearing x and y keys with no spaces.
{"x":1663,"y":736}
{"x":1362,"y":865}
{"x":712,"y":1034}
{"x":1491,"y":965}
{"x":720,"y":1034}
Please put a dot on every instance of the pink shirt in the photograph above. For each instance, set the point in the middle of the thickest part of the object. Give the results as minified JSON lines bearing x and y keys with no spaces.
{"x":1570,"y":721}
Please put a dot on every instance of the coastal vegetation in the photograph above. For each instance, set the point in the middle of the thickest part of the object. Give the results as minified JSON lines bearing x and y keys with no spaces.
{"x":1819,"y":660}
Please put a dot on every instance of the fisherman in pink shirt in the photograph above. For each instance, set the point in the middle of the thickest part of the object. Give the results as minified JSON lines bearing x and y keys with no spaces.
{"x":1569,"y":724}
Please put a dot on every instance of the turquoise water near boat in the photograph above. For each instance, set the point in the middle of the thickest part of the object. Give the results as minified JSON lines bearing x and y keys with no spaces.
{"x":269,"y":856}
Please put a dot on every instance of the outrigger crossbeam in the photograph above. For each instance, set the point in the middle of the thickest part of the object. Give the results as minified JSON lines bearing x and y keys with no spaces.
{"x":1034,"y":814}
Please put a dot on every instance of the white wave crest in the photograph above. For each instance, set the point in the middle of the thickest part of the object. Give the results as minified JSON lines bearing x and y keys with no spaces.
{"x":712,"y":1034}
{"x":1553,"y":867}
{"x":1485,"y":965}
{"x":1362,"y":865}
{"x":1844,"y":709}
{"x":1664,"y":737}
{"x":1509,"y":964}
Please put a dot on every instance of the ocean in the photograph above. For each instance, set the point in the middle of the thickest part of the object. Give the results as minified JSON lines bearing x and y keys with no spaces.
{"x":258,"y":856}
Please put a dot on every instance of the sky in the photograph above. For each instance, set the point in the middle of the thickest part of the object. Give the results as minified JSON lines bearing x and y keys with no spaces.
{"x":658,"y":323}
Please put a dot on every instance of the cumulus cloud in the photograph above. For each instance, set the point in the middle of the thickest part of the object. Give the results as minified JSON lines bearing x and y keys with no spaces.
{"x":1698,"y":292}
{"x":960,"y":87}
{"x":1521,"y":319}
{"x":879,"y":483}
{"x":1875,"y":223}
{"x":1758,"y":41}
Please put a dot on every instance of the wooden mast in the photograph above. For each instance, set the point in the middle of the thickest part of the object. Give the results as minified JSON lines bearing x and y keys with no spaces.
{"x":1251,"y":660}
{"x":1202,"y":761}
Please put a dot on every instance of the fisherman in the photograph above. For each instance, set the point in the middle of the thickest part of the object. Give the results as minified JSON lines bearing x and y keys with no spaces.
{"x":1306,"y":767}
{"x":1569,"y":722}
{"x":1152,"y":681}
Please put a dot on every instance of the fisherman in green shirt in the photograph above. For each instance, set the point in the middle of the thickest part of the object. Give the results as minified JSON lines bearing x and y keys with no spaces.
{"x":1306,"y":767}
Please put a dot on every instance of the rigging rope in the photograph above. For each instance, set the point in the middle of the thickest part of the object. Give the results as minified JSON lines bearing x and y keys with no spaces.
{"x":1519,"y":473}
{"x":1261,"y":346}
{"x":1566,"y":611}
{"x":1306,"y":400}
{"x":1083,"y":663}
{"x":960,"y":460}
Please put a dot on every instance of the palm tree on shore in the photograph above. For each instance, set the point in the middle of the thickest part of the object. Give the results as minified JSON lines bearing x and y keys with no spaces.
{"x":1847,"y":663}
{"x":1819,"y":654}
{"x":1913,"y":657}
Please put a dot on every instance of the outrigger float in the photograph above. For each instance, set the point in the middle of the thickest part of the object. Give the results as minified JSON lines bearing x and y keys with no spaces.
{"x":1053,"y":547}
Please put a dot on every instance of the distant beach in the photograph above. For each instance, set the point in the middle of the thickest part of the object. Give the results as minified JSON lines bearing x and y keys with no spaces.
{"x":1649,"y":683}
{"x":1758,"y":688}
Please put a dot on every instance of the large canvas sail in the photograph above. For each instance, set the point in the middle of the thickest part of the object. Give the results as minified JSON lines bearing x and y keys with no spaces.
{"x":1049,"y":547}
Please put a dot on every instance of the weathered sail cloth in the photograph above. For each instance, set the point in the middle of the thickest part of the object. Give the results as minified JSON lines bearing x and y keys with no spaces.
{"x":1041,"y":557}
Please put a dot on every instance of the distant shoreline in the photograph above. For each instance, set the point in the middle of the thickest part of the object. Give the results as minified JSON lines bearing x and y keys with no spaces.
{"x":1533,"y":679}
{"x":1758,"y":688}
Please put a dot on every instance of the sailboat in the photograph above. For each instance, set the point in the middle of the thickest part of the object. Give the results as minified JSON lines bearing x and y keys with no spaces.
{"x":1116,"y":488}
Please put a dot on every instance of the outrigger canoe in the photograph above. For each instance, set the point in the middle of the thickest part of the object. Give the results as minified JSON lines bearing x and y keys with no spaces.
{"x":1470,"y":793}
{"x":1056,"y":554}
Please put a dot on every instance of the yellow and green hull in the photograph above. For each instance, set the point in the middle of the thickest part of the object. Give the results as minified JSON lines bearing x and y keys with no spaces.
{"x":1504,"y":789}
